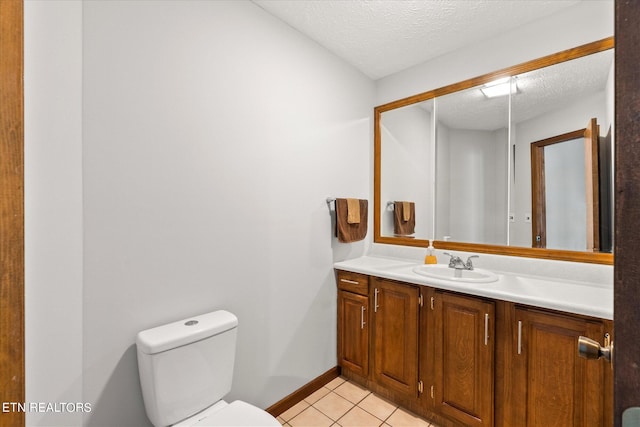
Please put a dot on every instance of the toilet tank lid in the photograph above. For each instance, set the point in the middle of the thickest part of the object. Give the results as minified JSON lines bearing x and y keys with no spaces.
{"x":185,"y":331}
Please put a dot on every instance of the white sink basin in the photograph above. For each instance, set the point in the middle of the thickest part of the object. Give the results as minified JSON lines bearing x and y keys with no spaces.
{"x":443,"y":272}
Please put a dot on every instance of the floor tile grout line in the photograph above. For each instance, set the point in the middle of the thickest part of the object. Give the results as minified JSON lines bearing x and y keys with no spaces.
{"x":357,"y":405}
{"x":382,"y":421}
{"x":372,"y":393}
{"x":369,"y":392}
{"x":395,"y":408}
{"x":292,"y":417}
{"x":353,"y":405}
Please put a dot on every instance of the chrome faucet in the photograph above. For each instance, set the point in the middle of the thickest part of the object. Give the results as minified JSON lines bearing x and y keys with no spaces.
{"x":457,"y":263}
{"x":469,"y":264}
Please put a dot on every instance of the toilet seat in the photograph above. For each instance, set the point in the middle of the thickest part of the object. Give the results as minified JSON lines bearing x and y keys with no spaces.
{"x":236,"y":413}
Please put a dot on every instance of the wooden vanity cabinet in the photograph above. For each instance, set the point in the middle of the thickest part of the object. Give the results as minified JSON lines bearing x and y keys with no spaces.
{"x":463,"y":362}
{"x":378,"y":334}
{"x":353,"y":322}
{"x":545,"y":381}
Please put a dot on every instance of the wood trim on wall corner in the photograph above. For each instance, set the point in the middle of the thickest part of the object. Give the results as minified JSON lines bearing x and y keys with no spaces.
{"x":12,"y":371}
{"x":304,"y":391}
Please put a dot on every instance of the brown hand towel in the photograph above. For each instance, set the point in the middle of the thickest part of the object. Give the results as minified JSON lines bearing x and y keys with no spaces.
{"x":350,"y":232}
{"x":406,"y":211}
{"x":353,"y":211}
{"x":404,"y":218}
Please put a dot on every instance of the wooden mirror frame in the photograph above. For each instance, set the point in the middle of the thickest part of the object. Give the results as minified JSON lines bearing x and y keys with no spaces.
{"x":557,"y":254}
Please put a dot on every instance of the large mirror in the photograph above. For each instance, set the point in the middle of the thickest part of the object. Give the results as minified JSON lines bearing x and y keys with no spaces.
{"x":455,"y":164}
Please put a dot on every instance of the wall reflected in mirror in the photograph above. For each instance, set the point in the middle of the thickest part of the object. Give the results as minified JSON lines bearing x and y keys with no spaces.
{"x":472,"y":144}
{"x":407,"y":167}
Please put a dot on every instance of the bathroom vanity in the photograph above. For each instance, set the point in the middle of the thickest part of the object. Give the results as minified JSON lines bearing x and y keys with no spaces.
{"x":497,"y":347}
{"x":502,"y":353}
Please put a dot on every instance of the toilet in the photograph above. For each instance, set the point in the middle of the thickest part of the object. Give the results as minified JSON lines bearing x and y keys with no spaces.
{"x":186,"y":368}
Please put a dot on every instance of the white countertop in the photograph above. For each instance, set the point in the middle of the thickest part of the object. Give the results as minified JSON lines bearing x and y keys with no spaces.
{"x":576,"y":297}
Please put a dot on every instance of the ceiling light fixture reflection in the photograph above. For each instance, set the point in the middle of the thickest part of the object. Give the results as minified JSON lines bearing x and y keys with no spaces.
{"x":500,"y":87}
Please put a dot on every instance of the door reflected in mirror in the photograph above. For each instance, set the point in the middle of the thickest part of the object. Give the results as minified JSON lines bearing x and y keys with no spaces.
{"x":571,"y":194}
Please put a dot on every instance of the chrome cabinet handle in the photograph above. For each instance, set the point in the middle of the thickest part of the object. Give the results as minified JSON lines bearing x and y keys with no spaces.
{"x":375,"y":300}
{"x":352,"y":282}
{"x":486,"y":328}
{"x":362,"y":322}
{"x":519,"y":336}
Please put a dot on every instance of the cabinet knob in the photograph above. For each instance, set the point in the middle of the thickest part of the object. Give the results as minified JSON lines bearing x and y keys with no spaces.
{"x":591,"y":349}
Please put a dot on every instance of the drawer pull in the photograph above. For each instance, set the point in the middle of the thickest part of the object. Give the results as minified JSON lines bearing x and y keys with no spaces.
{"x":519,"y":336}
{"x":351,"y":282}
{"x":486,"y":328}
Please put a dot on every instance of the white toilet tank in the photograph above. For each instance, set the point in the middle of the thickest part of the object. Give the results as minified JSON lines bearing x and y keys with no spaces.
{"x":186,"y":366}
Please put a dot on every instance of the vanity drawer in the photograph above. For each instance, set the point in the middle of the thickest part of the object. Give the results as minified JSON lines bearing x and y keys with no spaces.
{"x":353,"y":282}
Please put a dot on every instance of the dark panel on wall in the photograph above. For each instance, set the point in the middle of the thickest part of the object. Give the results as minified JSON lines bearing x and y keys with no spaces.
{"x":627,"y":207}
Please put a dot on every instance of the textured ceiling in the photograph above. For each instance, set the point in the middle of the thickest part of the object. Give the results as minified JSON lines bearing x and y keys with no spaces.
{"x":382,"y":37}
{"x":539,"y":92}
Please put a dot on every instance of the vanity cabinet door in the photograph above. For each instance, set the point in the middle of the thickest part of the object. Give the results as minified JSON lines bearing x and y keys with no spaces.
{"x":464,"y":358}
{"x":353,"y":322}
{"x":395,"y":339}
{"x":552,"y":385}
{"x":353,"y":332}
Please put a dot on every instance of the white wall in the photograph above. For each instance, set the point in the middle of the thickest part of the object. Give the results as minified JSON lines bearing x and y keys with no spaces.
{"x":212,"y":135}
{"x":473,"y":198}
{"x":53,"y":207}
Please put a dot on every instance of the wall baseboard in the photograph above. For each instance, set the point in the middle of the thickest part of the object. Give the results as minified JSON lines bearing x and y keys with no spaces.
{"x":304,"y":391}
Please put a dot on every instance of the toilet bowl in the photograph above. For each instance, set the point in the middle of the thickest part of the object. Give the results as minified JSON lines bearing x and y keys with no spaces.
{"x":236,"y":413}
{"x":186,"y":368}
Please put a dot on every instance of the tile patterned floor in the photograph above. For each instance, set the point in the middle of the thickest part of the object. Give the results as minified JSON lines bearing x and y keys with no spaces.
{"x":342,"y":403}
